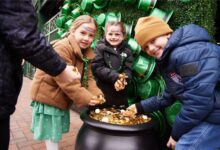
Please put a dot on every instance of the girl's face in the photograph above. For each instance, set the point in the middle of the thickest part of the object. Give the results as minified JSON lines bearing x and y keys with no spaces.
{"x":85,"y":34}
{"x":156,"y":46}
{"x":114,"y":35}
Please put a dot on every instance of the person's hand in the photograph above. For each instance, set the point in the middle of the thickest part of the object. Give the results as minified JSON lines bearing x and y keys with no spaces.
{"x":121,"y":82}
{"x":119,"y":85}
{"x":69,"y":74}
{"x":171,"y":143}
{"x":123,"y":76}
{"x":101,"y":99}
{"x":96,"y":100}
{"x":130,"y":111}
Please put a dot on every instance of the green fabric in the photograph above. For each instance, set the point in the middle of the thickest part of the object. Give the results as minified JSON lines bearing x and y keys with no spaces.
{"x":48,"y":122}
{"x":85,"y":73}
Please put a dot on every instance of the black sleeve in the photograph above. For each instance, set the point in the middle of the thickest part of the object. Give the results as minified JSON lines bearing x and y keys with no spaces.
{"x":19,"y":32}
{"x":127,"y":68}
{"x":99,"y":68}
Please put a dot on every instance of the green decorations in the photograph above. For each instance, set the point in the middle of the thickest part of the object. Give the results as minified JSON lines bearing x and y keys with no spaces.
{"x":85,"y":73}
{"x":172,"y":111}
{"x":68,"y":24}
{"x":69,"y":1}
{"x":60,"y":21}
{"x":76,"y":12}
{"x":129,"y":29}
{"x":130,"y":1}
{"x":160,"y":120}
{"x":143,"y":66}
{"x":164,"y":15}
{"x":182,"y":11}
{"x":131,"y":90}
{"x":100,"y":4}
{"x":100,"y":19}
{"x":148,"y":88}
{"x":93,"y":43}
{"x":146,"y":4}
{"x":112,"y":16}
{"x":60,"y":33}
{"x":134,"y":46}
{"x":87,"y":5}
{"x":66,"y":9}
{"x":185,"y":1}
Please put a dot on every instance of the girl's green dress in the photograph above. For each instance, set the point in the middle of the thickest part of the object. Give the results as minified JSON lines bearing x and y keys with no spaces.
{"x":48,"y":122}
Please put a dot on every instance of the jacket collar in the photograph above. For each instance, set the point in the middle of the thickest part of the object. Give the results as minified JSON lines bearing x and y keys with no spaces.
{"x":104,"y":44}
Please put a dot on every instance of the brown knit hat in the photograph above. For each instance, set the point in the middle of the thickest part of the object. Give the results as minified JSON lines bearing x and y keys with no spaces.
{"x":148,"y":28}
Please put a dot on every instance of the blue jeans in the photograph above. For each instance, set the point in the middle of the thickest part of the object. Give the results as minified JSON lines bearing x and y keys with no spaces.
{"x":206,"y":136}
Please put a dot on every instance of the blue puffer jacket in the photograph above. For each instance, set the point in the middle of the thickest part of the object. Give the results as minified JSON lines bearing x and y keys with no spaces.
{"x":190,"y":66}
{"x":20,"y":38}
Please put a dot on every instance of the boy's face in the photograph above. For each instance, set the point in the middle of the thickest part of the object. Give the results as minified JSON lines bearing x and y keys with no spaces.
{"x":156,"y":46}
{"x":114,"y":35}
{"x":85,"y":34}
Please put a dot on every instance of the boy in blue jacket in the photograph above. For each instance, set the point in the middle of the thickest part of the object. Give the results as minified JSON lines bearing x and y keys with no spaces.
{"x":190,"y":66}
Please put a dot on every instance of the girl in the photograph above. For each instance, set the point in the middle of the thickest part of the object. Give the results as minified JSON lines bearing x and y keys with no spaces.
{"x":112,"y":64}
{"x":52,"y":98}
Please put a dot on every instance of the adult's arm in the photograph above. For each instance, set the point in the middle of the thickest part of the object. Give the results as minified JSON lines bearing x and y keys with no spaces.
{"x":19,"y":32}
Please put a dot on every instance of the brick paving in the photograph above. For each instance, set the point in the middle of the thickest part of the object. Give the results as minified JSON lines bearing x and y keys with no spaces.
{"x":21,"y":136}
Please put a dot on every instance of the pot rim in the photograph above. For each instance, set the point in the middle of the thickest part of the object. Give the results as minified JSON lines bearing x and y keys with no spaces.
{"x":115,"y":127}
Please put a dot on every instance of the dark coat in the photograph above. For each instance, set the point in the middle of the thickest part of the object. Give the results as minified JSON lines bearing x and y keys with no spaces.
{"x":20,"y":38}
{"x":107,"y":65}
{"x":190,"y":66}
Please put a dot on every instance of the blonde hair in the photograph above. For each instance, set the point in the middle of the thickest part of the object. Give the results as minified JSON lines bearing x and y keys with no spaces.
{"x":78,"y":22}
{"x":82,"y":19}
{"x":116,"y":23}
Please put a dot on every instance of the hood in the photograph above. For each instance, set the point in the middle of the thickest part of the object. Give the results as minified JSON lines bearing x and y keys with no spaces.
{"x":186,"y":35}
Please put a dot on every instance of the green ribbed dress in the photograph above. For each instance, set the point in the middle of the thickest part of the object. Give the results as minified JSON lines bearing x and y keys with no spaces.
{"x":48,"y":122}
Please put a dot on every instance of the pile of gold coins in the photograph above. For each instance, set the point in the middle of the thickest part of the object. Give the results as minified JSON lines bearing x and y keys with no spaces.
{"x":115,"y":116}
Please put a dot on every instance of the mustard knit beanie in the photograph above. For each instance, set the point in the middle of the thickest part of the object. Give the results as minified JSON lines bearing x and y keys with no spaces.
{"x":148,"y":28}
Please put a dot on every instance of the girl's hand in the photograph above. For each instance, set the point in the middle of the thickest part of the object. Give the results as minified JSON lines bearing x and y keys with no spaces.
{"x":123,"y":76}
{"x":119,"y":85}
{"x":130,"y":111}
{"x":121,"y":82}
{"x":101,"y":99}
{"x":96,"y":100}
{"x":171,"y":143}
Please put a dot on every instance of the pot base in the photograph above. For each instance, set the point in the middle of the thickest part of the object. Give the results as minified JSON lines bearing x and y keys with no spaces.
{"x":91,"y":138}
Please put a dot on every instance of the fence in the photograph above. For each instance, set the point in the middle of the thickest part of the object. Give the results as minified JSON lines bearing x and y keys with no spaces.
{"x":49,"y":30}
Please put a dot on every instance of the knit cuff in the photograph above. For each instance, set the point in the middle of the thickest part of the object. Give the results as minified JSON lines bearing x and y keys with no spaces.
{"x":139,"y":108}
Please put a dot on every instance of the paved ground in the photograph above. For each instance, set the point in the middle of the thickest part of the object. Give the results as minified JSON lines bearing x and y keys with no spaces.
{"x":21,"y":136}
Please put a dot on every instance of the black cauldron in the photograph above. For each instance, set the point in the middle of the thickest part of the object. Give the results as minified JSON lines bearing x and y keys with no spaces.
{"x":96,"y":135}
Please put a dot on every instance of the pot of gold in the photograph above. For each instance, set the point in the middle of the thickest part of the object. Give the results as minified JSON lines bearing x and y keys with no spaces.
{"x":108,"y":129}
